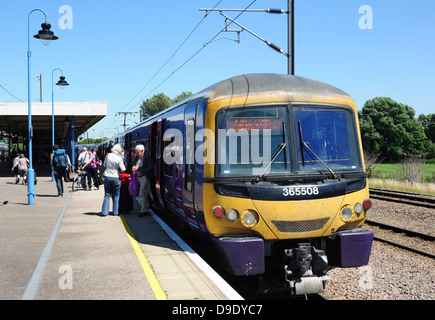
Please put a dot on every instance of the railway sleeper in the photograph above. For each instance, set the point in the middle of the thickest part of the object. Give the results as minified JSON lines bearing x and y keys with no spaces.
{"x":305,"y":269}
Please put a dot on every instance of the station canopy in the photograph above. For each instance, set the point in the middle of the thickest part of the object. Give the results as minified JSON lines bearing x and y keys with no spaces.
{"x":14,"y":117}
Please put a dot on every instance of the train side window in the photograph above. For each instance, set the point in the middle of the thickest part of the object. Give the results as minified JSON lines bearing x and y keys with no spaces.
{"x":189,"y":164}
{"x":133,"y":147}
{"x":168,"y":168}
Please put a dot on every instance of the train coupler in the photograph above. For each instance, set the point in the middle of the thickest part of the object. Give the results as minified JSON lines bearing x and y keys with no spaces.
{"x":305,"y":269}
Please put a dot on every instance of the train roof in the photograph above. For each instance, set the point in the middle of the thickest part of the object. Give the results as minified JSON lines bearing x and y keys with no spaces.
{"x":285,"y":85}
{"x":271,"y":83}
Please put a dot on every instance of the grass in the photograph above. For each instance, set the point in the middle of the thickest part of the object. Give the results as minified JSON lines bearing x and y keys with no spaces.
{"x":386,"y":176}
{"x":428,"y":188}
{"x":390,"y":171}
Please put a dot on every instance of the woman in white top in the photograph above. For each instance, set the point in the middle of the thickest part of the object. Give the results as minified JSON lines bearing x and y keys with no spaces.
{"x":113,"y":163}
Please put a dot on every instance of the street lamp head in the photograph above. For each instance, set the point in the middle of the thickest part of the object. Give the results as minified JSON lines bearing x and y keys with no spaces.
{"x":45,"y":35}
{"x":62,"y":82}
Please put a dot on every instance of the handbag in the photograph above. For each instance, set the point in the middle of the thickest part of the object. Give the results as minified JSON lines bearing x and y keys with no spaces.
{"x":133,"y":186}
{"x":125,"y":181}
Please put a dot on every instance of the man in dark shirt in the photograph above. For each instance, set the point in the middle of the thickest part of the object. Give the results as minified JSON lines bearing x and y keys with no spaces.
{"x":59,"y":163}
{"x":144,"y":168}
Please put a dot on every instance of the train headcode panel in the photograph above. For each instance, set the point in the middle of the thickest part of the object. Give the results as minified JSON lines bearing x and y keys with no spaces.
{"x":250,"y":123}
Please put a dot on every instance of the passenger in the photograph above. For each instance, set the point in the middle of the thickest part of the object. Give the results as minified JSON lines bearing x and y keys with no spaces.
{"x":69,"y":169}
{"x":15,"y":168}
{"x":22,"y":168}
{"x":83,"y":158}
{"x":59,"y":163}
{"x":112,"y":182}
{"x":144,"y":168}
{"x":92,"y":169}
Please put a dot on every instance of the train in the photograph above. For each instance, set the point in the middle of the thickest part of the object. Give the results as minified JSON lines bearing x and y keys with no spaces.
{"x":266,"y":171}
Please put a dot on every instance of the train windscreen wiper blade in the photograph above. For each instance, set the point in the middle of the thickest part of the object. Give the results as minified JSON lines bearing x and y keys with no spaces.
{"x":306,"y":145}
{"x":277,"y":152}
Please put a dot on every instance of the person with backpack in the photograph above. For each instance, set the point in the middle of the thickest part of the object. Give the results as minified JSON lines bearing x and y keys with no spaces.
{"x":59,"y":162}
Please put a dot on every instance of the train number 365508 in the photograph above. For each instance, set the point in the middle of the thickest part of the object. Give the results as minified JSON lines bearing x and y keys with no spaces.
{"x":300,"y":191}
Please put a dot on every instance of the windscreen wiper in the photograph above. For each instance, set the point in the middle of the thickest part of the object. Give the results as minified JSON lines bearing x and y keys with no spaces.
{"x":306,"y":145}
{"x":277,"y":152}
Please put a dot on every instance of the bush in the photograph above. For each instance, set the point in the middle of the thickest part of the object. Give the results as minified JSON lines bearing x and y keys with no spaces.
{"x":411,"y":169}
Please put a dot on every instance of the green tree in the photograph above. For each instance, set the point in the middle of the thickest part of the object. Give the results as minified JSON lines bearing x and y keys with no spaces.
{"x":390,"y":128}
{"x":155,"y":104}
{"x":428,"y":123}
{"x":181,"y":97}
{"x":160,"y":102}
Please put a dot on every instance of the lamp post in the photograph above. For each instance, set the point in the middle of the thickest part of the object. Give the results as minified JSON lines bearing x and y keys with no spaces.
{"x":43,"y":34}
{"x":62,"y":83}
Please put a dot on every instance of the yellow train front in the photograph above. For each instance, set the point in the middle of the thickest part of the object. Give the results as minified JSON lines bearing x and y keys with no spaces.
{"x":284,"y":188}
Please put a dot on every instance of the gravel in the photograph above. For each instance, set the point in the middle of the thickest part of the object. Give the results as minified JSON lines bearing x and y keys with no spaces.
{"x":392,"y":273}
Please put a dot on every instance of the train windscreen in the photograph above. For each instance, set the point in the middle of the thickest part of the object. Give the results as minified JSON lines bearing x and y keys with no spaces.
{"x":327,"y":135}
{"x":256,"y":141}
{"x":249,"y":138}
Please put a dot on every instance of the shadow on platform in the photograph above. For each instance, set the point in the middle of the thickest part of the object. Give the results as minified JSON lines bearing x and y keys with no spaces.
{"x":41,"y":170}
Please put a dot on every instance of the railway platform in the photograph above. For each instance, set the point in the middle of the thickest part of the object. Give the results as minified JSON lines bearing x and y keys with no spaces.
{"x":61,"y":249}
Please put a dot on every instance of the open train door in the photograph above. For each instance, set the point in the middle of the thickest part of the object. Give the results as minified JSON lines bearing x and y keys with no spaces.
{"x":128,"y":157}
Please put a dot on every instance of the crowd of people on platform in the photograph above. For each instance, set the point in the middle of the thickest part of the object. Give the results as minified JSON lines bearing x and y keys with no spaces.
{"x":111,"y":168}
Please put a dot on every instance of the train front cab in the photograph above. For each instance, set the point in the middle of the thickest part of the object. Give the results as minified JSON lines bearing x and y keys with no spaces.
{"x":305,"y":214}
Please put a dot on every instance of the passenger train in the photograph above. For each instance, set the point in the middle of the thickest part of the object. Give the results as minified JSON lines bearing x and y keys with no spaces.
{"x":267,"y":172}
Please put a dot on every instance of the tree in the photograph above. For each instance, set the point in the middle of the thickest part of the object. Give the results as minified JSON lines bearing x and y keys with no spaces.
{"x":428,"y":123}
{"x":160,"y":102}
{"x":181,"y":97}
{"x":389,"y":128}
{"x":155,"y":104}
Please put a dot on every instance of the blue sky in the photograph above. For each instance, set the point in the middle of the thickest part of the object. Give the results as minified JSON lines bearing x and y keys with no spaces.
{"x":115,"y":48}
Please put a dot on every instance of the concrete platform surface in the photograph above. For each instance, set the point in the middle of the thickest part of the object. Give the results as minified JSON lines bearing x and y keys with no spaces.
{"x":60,"y":248}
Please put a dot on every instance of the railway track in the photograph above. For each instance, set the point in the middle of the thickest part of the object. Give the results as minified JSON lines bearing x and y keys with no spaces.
{"x":407,"y":232}
{"x":417,"y":199}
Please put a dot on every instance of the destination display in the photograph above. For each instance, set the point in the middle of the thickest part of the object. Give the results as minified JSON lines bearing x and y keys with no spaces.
{"x":254,"y":123}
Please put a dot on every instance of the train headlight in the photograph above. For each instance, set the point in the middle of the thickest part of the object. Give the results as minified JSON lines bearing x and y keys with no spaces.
{"x":249,"y":218}
{"x":359,"y":208}
{"x":346,"y":213}
{"x":218,"y":211}
{"x":232,"y":215}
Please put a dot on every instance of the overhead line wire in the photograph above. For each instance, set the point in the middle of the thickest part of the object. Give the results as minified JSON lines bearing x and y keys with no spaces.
{"x":10,"y":93}
{"x":169,"y":59}
{"x":184,"y":63}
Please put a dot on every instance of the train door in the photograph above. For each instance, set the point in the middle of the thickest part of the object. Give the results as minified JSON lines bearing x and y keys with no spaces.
{"x":150,"y":148}
{"x":158,"y":142}
{"x":189,"y":166}
{"x":198,"y":179}
{"x":127,"y":153}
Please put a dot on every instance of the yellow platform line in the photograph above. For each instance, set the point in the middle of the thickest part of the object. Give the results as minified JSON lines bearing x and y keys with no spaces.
{"x":149,"y":273}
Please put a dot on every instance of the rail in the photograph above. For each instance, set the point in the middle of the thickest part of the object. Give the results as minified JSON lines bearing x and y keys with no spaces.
{"x":416,"y":199}
{"x":408,"y":232}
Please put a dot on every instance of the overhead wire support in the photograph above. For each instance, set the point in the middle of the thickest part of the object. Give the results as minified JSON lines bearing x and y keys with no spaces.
{"x":272,"y":11}
{"x":125,"y":113}
{"x":290,"y":25}
{"x":270,"y":44}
